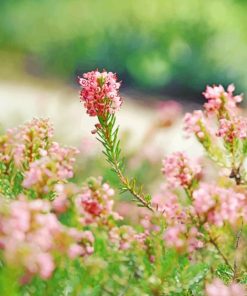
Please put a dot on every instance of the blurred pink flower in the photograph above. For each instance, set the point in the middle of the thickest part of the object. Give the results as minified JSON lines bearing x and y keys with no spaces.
{"x":179,"y":170}
{"x":31,"y":237}
{"x":168,"y":112}
{"x":183,"y":238}
{"x":125,"y":237}
{"x":27,"y":142}
{"x":55,"y":167}
{"x":219,"y":205}
{"x":193,"y":123}
{"x":218,"y":288}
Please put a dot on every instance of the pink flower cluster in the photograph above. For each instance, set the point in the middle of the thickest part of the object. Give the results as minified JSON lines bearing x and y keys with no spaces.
{"x":65,"y":193}
{"x":31,"y":237}
{"x":167,"y":203}
{"x":26,"y":143}
{"x":223,"y":104}
{"x":236,"y":128}
{"x":194,"y":123}
{"x":95,"y":203}
{"x":183,"y":238}
{"x":219,"y":99}
{"x":100,"y":92}
{"x":168,"y":112}
{"x":56,"y":165}
{"x":125,"y":237}
{"x":218,"y":288}
{"x":219,"y":205}
{"x":179,"y":170}
{"x":180,"y":233}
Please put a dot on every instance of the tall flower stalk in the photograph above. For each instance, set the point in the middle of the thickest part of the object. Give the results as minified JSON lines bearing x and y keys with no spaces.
{"x":101,"y":99}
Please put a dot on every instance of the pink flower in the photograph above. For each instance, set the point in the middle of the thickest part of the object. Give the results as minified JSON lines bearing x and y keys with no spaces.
{"x":193,"y":123}
{"x":55,"y":167}
{"x":183,"y":238}
{"x":100,"y":92}
{"x":179,"y":170}
{"x":75,"y":251}
{"x":124,"y":237}
{"x":31,"y":237}
{"x":219,"y":100}
{"x":168,"y":112}
{"x":219,"y":205}
{"x":94,"y":203}
{"x":218,"y":288}
{"x":235,"y":128}
{"x":167,"y":203}
{"x":27,"y":142}
{"x":46,"y":265}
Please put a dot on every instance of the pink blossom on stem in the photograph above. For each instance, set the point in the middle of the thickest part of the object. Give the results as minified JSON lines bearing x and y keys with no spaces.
{"x":55,"y":167}
{"x":167,"y":203}
{"x":95,"y":203}
{"x":168,"y":112}
{"x":219,"y":99}
{"x":183,"y":238}
{"x":125,"y":237}
{"x":193,"y":123}
{"x":179,"y":170}
{"x":235,"y":128}
{"x":27,"y":142}
{"x":31,"y":237}
{"x":180,"y":233}
{"x":100,"y":92}
{"x":64,"y":195}
{"x":219,"y":205}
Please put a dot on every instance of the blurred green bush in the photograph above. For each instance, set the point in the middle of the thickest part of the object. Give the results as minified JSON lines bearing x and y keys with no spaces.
{"x":154,"y":44}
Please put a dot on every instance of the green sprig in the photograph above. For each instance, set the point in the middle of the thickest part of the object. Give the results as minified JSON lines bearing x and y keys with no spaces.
{"x":108,"y":137}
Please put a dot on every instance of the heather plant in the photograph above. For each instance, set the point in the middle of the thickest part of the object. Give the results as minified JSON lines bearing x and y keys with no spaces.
{"x":198,"y":218}
{"x":63,"y":234}
{"x":56,"y":232}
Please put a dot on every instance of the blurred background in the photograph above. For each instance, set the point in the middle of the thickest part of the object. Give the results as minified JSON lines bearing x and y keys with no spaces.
{"x":161,"y":50}
{"x":168,"y":46}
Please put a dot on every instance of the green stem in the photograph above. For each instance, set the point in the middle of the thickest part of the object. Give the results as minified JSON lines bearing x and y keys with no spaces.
{"x":214,"y":243}
{"x":235,"y":264}
{"x":108,"y":136}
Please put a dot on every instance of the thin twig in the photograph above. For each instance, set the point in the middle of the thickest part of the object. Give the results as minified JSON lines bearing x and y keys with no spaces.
{"x":115,"y":163}
{"x":214,"y":243}
{"x":235,"y":266}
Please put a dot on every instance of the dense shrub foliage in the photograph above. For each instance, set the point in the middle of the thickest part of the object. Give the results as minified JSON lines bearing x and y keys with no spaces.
{"x":61,"y":235}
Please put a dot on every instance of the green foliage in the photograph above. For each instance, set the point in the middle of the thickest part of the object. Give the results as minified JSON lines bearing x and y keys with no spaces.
{"x":10,"y":181}
{"x":108,"y":137}
{"x":224,"y":272}
{"x":153,"y":43}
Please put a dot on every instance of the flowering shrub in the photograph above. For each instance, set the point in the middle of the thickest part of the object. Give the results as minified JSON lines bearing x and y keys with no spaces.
{"x":196,"y":214}
{"x":63,"y":235}
{"x":31,"y":235}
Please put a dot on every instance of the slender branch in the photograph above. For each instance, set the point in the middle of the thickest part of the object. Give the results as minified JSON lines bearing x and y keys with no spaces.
{"x":189,"y":193}
{"x":139,"y":197}
{"x":235,"y":266}
{"x":214,"y":243}
{"x":108,"y":136}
